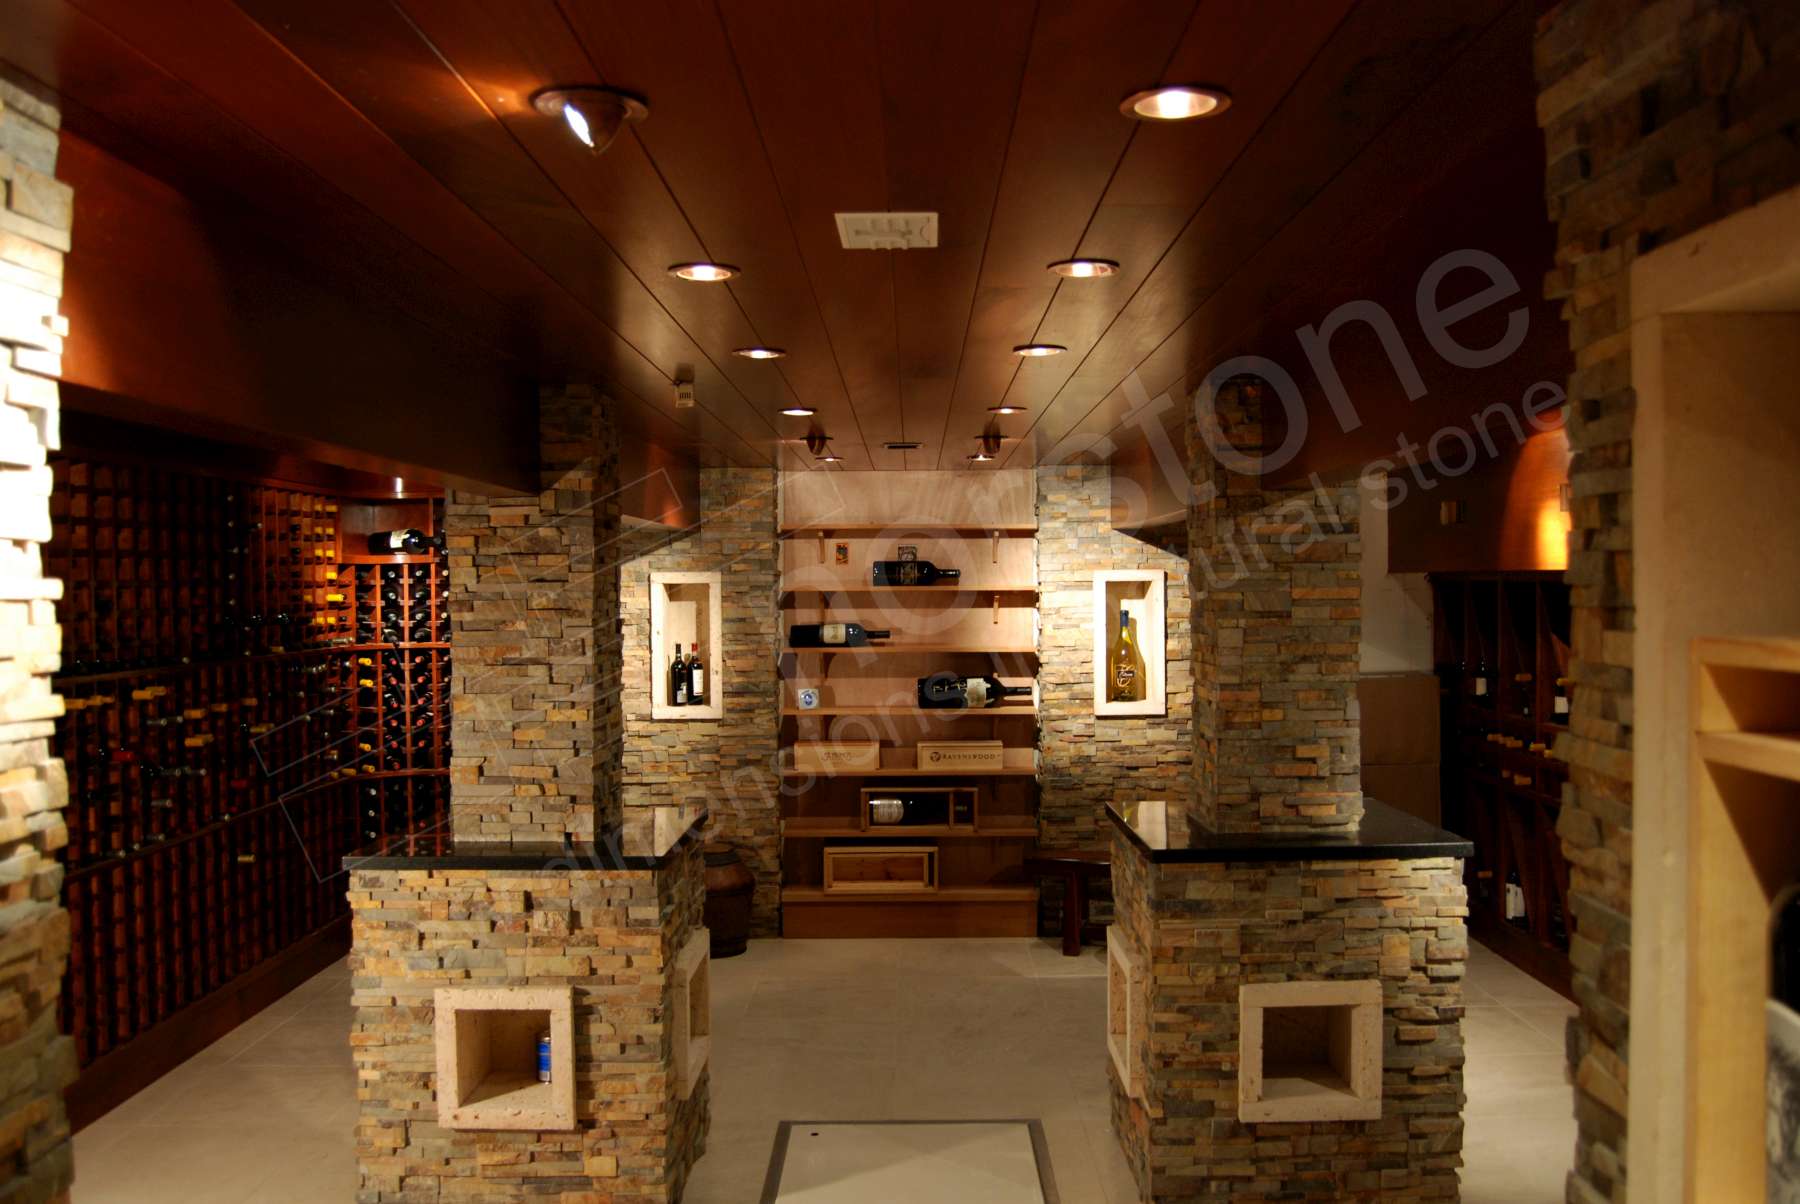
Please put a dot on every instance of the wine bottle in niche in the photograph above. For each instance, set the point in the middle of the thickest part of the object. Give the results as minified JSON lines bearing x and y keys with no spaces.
{"x":696,"y":678}
{"x":912,"y":572}
{"x":678,"y":680}
{"x":1124,"y":665}
{"x":832,"y":635}
{"x":952,"y":691}
{"x":407,"y":541}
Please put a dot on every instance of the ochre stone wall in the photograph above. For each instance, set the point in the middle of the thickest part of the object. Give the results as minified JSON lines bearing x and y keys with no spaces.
{"x":36,"y":1062}
{"x":726,"y":764}
{"x":1204,"y":930}
{"x":1658,"y":119}
{"x":1277,"y":584}
{"x":534,"y":603}
{"x":611,"y":935}
{"x":1089,"y":761}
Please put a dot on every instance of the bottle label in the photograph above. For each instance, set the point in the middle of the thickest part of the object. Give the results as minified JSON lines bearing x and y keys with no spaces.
{"x":699,"y":690}
{"x":681,"y":692}
{"x":1562,"y":704}
{"x":1481,"y":687}
{"x":832,"y":633}
{"x":976,"y":692}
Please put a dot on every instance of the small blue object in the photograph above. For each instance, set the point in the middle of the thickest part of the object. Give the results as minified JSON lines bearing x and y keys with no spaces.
{"x":544,"y":1058}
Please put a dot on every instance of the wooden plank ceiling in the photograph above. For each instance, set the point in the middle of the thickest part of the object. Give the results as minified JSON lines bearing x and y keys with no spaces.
{"x":1363,"y":138}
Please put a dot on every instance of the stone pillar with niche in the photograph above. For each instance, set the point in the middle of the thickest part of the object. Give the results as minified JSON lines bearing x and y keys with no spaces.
{"x":1285,"y":991}
{"x":546,"y":915}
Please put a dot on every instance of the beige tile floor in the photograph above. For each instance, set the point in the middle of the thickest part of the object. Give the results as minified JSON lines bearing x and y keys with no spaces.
{"x":805,"y":1030}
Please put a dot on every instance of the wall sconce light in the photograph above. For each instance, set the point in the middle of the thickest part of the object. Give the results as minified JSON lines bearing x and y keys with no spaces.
{"x":593,"y":114}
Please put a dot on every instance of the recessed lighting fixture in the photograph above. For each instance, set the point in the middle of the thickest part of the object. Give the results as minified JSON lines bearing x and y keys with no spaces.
{"x":799,"y":411}
{"x":1176,"y":102}
{"x":594,"y":115}
{"x":705,"y":273}
{"x":829,"y":458}
{"x":1084,"y":269}
{"x":1038,"y":350}
{"x":980,"y":457}
{"x":1006,"y":409}
{"x":760,"y":353}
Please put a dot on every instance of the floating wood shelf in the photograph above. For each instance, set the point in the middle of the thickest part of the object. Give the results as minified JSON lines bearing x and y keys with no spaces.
{"x":910,"y":528}
{"x":929,"y":649}
{"x":1776,"y":754}
{"x":1020,"y":762}
{"x":789,"y":711}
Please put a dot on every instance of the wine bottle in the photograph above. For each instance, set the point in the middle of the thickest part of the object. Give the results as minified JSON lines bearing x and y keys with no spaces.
{"x":678,"y":680}
{"x":912,"y":572}
{"x":407,"y":541}
{"x":696,"y":678}
{"x":1124,"y":665}
{"x":1515,"y":899}
{"x":832,"y":635}
{"x":1478,"y":685}
{"x":1559,"y":705}
{"x":952,"y":691}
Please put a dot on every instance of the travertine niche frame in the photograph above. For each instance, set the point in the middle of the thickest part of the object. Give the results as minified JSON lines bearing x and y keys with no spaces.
{"x":487,"y":1058}
{"x":1140,"y":593}
{"x":1309,"y":1051}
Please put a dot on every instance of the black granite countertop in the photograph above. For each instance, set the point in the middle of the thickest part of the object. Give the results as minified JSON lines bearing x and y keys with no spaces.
{"x":647,"y":839}
{"x":1385,"y":833}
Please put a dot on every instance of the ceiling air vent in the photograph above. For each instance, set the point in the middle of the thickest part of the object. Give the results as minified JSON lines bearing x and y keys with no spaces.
{"x":887,"y":231}
{"x":903,"y":445}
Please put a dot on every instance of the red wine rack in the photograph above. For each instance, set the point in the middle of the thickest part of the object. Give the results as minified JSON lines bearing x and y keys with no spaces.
{"x":250,"y":696}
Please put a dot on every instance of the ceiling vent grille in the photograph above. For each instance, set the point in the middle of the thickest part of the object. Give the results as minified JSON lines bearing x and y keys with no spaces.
{"x":903,"y":445}
{"x":887,"y":231}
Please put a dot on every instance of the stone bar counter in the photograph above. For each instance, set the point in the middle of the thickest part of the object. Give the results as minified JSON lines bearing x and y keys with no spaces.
{"x":1284,"y":1008}
{"x":465,"y":954}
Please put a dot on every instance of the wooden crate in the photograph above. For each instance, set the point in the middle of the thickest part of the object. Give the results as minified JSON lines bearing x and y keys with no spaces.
{"x":880,"y":869}
{"x":837,"y":756}
{"x":952,"y":756}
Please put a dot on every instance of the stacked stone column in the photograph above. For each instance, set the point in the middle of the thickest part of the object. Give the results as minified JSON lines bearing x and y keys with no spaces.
{"x":536,"y":731}
{"x":36,"y":1062}
{"x":1277,"y":594}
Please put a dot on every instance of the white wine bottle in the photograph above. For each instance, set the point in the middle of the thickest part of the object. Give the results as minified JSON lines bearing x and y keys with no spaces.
{"x":1124,"y":665}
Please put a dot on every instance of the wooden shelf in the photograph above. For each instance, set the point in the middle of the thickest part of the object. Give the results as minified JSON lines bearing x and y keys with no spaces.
{"x":1776,"y":754}
{"x":789,"y":711}
{"x":906,"y":528}
{"x":811,"y":827}
{"x":886,"y":590}
{"x":1020,"y":762}
{"x":928,"y":649}
{"x":803,"y":895}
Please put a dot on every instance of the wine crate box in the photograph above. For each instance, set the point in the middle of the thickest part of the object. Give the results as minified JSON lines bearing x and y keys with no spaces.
{"x":880,"y":869}
{"x":837,"y":756}
{"x":953,"y":755}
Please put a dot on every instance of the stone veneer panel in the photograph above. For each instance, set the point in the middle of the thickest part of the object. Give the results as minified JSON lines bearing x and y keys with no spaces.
{"x":1277,"y":583}
{"x":613,"y":936}
{"x":1658,"y":118}
{"x":1205,"y":929}
{"x":534,"y":600}
{"x":36,"y":1062}
{"x":1089,"y":761}
{"x":726,"y":764}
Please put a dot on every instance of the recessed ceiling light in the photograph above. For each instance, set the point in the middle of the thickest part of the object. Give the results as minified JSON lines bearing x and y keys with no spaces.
{"x":759,"y":353}
{"x":799,"y":411}
{"x":706,"y":273}
{"x":1006,"y":409}
{"x":594,"y":115}
{"x":828,"y":458}
{"x":980,"y":456}
{"x":1084,"y":269}
{"x":1038,"y":350}
{"x":1176,"y":102}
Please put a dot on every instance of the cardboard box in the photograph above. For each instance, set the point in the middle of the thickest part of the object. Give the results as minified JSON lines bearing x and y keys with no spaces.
{"x":949,"y":756}
{"x":837,"y":756}
{"x":1399,"y":718}
{"x":1413,"y":789}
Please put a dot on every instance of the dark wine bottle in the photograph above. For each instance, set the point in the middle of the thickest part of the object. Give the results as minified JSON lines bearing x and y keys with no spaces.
{"x":952,"y":691}
{"x":678,"y":680}
{"x":912,"y":572}
{"x":696,"y":678}
{"x":832,"y":635}
{"x":407,"y":541}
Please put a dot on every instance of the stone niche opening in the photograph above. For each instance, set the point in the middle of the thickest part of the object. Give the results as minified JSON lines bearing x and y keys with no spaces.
{"x":691,"y":1011}
{"x":1124,"y":1011}
{"x":1309,"y":1051}
{"x":487,"y":1062}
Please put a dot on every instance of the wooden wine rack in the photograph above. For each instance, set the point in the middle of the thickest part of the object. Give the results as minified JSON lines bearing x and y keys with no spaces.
{"x":249,"y":696}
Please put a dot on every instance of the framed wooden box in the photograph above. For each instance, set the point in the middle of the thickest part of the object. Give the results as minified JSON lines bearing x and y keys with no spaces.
{"x":958,"y":804}
{"x":880,"y":869}
{"x":950,"y":756}
{"x":487,"y":1060}
{"x":685,"y":609}
{"x":1139,"y":593}
{"x":837,"y":756}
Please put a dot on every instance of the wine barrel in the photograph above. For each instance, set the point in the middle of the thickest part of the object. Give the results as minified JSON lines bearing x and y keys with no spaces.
{"x":729,"y":886}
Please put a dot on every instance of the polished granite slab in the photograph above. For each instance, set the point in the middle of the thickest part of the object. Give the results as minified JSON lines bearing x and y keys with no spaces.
{"x":1386,"y":833}
{"x":647,"y":839}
